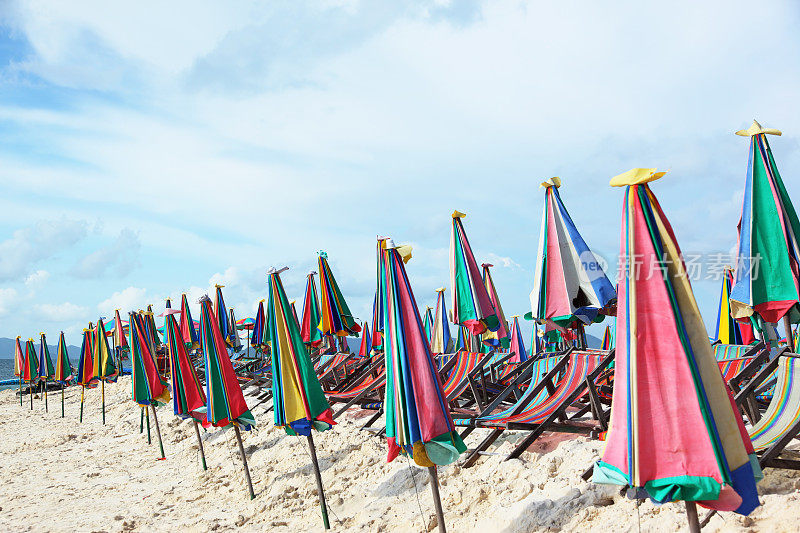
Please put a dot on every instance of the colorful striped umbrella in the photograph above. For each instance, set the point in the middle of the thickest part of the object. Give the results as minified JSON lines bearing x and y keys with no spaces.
{"x":418,"y":421}
{"x":335,"y":316}
{"x":311,"y":317}
{"x":441,"y":341}
{"x":188,"y":400}
{"x":471,"y":306}
{"x":152,"y":330}
{"x":517,"y":345}
{"x":226,"y":405}
{"x":767,"y":282}
{"x":499,"y":338}
{"x":19,"y":365}
{"x":246,"y":323}
{"x":63,"y":373}
{"x":675,"y":434}
{"x":570,"y":287}
{"x":221,"y":314}
{"x":86,"y":366}
{"x":428,"y":322}
{"x":608,"y":339}
{"x":104,"y":367}
{"x":188,"y":326}
{"x":235,"y":341}
{"x":30,"y":369}
{"x":377,"y":307}
{"x":120,"y":339}
{"x":147,"y":386}
{"x":256,"y":336}
{"x":298,"y":401}
{"x":730,"y":331}
{"x":366,"y":342}
{"x":46,"y":368}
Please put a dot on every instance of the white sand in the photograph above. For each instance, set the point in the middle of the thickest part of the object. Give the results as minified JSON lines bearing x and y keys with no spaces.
{"x":58,"y":475}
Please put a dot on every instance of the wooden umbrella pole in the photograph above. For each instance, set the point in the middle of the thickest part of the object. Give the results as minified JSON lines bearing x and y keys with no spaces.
{"x":103,"y":393}
{"x":62,"y":399}
{"x":141,"y":419}
{"x":691,"y":516}
{"x":147,"y":416}
{"x":30,"y":389}
{"x":200,"y":443}
{"x":317,"y":474}
{"x":788,"y":326}
{"x":44,"y":386}
{"x":20,"y":389}
{"x":244,"y":460}
{"x":158,"y":431}
{"x":83,"y":388}
{"x":437,"y":501}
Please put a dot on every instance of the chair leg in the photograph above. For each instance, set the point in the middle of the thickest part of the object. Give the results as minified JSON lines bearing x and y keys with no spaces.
{"x":474,"y":454}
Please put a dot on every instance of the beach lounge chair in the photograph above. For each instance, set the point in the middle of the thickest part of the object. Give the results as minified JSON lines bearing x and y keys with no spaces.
{"x":544,"y":405}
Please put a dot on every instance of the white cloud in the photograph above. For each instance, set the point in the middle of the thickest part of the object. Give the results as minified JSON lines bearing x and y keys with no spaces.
{"x":119,"y":258}
{"x":63,"y":312}
{"x":8,"y":298}
{"x":126,"y":300}
{"x":505,"y":262}
{"x":32,"y":244}
{"x":37,"y":278}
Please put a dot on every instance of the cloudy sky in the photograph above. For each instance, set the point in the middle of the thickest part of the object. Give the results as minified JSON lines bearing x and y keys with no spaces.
{"x":151,"y":148}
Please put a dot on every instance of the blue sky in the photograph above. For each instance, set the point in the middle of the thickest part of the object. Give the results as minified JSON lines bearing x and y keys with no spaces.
{"x":148,"y":149}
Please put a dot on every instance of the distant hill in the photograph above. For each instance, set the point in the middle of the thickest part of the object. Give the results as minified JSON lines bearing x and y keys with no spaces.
{"x":7,"y":348}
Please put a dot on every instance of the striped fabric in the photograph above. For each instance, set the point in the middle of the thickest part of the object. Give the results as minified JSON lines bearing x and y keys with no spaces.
{"x":731,"y":367}
{"x":723,"y":352}
{"x":784,"y":409}
{"x":457,"y":381}
{"x":368,"y":383}
{"x":581,"y":364}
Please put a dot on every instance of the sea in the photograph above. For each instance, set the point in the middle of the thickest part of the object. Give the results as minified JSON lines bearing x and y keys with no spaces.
{"x":7,"y":372}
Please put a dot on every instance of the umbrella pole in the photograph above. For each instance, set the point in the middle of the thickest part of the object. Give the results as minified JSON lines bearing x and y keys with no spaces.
{"x":244,"y":460}
{"x":83,"y":388}
{"x":141,"y":420}
{"x":788,"y":326}
{"x":200,"y":443}
{"x":437,"y":501}
{"x":20,"y":389}
{"x":62,"y":400}
{"x":44,"y":386}
{"x":158,"y":431}
{"x":691,"y":517}
{"x":147,"y":416}
{"x":103,"y":392}
{"x":318,"y":476}
{"x":30,"y":389}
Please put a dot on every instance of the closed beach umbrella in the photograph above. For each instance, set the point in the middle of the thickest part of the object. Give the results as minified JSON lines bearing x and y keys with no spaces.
{"x":188,"y":400}
{"x":30,"y":368}
{"x":147,"y":386}
{"x":427,"y":323}
{"x":675,"y":434}
{"x":517,"y":345}
{"x":335,"y":315}
{"x":377,"y":306}
{"x":221,"y":315}
{"x":418,"y":421}
{"x":570,"y":287}
{"x":235,"y":341}
{"x":46,"y":368}
{"x":441,"y":341}
{"x":19,"y":364}
{"x":767,"y":281}
{"x":298,"y":400}
{"x":152,"y":330}
{"x":188,"y":326}
{"x":104,"y":367}
{"x":366,"y":342}
{"x":471,"y":305}
{"x":608,"y":339}
{"x":730,"y":331}
{"x":86,"y":366}
{"x":257,"y":334}
{"x":499,"y":338}
{"x":311,"y":335}
{"x":63,"y":372}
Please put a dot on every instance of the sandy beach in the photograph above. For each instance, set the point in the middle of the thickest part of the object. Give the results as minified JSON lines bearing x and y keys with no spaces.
{"x":59,"y":475}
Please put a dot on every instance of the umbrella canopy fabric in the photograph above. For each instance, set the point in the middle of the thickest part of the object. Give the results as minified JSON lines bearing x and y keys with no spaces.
{"x":366,"y":342}
{"x":441,"y":341}
{"x":377,"y":306}
{"x":675,"y":433}
{"x":63,"y":373}
{"x":188,"y":326}
{"x":730,"y":331}
{"x":224,"y":394}
{"x":311,"y":335}
{"x":257,"y":335}
{"x":499,"y":338}
{"x":299,"y":403}
{"x":517,"y":345}
{"x":235,"y":341}
{"x":767,"y":272}
{"x":150,"y":323}
{"x":418,"y":421}
{"x":46,"y":368}
{"x":428,"y":322}
{"x":188,"y":399}
{"x":569,"y":283}
{"x":221,"y":315}
{"x":608,"y":339}
{"x":30,"y":369}
{"x":246,"y":323}
{"x":86,"y":361}
{"x":104,"y":367}
{"x":335,"y":315}
{"x":147,"y":387}
{"x":119,"y":331}
{"x":471,"y":305}
{"x":19,"y":358}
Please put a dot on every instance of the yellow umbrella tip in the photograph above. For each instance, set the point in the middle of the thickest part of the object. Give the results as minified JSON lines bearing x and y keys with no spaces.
{"x":755,"y":129}
{"x":440,"y":289}
{"x":555,"y":181}
{"x":458,"y":214}
{"x":635,"y":176}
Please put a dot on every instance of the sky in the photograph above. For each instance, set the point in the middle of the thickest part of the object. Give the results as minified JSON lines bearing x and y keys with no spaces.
{"x":151,"y":148}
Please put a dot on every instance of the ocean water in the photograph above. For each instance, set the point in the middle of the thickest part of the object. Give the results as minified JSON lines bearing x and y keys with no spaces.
{"x":7,"y":371}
